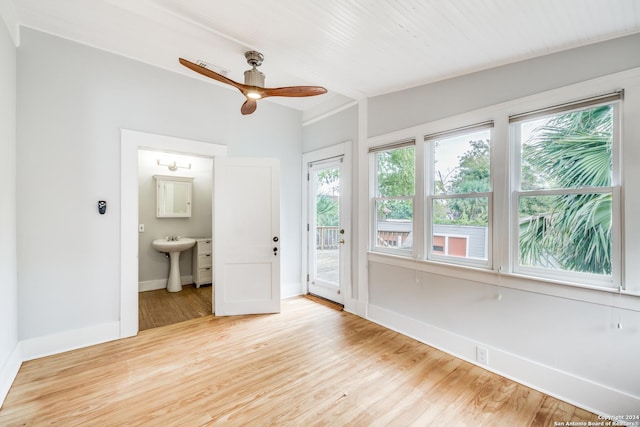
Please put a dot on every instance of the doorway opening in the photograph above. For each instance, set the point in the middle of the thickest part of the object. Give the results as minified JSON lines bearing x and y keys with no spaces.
{"x":130,"y":144}
{"x":158,"y":303}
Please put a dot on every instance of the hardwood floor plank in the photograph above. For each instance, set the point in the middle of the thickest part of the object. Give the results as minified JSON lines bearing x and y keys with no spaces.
{"x":161,"y":308}
{"x":311,"y":365}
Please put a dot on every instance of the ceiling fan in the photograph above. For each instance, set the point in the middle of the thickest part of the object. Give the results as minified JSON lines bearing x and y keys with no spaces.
{"x":253,"y":87}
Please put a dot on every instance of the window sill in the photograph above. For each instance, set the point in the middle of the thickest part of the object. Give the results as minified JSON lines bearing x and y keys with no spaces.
{"x":590,"y":294}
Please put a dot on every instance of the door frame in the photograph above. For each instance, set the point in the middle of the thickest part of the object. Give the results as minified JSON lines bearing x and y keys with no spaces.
{"x":130,"y":142}
{"x":343,"y":149}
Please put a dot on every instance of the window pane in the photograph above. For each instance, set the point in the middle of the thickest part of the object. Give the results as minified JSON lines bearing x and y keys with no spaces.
{"x":570,"y":150}
{"x":396,"y":172}
{"x":326,"y":254}
{"x":460,"y":227}
{"x":394,"y":224}
{"x":327,"y":185}
{"x":462,"y":163}
{"x":566,"y":232}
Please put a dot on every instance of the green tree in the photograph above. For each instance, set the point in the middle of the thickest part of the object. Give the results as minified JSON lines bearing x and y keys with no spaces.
{"x":471,"y":176}
{"x":573,"y":232}
{"x":396,"y":178}
{"x":327,"y":207}
{"x":396,"y":172}
{"x":327,"y":211}
{"x":329,"y":178}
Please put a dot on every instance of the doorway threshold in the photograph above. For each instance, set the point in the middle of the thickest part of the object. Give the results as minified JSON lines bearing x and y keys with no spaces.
{"x":325,"y":302}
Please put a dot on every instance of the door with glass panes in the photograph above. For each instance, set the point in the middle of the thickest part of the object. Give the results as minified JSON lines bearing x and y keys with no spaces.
{"x":328,"y":237}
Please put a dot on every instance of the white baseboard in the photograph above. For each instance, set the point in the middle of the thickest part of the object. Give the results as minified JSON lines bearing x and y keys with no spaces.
{"x":60,"y":342}
{"x":578,"y":391}
{"x":9,"y":371}
{"x":153,"y":285}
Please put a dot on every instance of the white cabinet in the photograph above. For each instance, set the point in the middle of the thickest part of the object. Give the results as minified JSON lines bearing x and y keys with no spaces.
{"x":202,"y":268}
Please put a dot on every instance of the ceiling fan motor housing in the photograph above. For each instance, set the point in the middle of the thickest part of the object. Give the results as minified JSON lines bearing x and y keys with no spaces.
{"x":254,"y":77}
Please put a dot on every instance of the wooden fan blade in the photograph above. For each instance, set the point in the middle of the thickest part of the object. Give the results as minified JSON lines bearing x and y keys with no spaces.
{"x":211,"y":74}
{"x":293,"y":91}
{"x":249,"y":106}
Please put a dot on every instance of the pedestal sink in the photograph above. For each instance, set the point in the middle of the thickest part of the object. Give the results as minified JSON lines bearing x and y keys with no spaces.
{"x":173,"y":248}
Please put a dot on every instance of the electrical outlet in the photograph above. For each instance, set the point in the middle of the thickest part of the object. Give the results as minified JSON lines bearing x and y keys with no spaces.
{"x":482,"y":355}
{"x":140,"y":228}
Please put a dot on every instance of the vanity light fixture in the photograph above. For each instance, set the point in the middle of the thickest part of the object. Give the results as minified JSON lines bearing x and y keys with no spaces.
{"x":174,"y":166}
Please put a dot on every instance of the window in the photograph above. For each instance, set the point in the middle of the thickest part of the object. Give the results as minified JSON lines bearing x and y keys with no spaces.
{"x":550,"y":199}
{"x":394,"y":175}
{"x":565,"y":204}
{"x":459,"y":195}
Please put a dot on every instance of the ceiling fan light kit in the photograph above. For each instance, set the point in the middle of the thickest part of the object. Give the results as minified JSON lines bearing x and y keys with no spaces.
{"x":253,"y":87}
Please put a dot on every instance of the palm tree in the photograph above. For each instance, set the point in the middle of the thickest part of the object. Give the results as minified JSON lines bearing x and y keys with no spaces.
{"x":327,"y":211}
{"x":569,"y":231}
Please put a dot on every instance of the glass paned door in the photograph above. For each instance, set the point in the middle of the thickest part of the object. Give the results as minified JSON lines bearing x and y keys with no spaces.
{"x":326,"y":234}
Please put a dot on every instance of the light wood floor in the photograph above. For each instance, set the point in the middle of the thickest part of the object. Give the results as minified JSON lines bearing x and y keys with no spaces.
{"x":162,"y":308}
{"x":310,"y":365}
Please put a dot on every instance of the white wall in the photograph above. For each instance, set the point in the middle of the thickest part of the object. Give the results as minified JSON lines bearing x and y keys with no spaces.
{"x":8,"y":262}
{"x":154,"y":265}
{"x":72,"y":102}
{"x":334,"y":129}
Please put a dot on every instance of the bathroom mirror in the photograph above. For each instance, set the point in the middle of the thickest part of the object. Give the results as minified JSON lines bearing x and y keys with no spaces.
{"x":173,"y":196}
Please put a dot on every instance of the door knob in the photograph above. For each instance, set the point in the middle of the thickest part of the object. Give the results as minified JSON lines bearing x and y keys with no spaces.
{"x":275,"y":251}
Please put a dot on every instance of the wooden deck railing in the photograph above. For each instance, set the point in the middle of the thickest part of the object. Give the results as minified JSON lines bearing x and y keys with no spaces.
{"x":327,"y":237}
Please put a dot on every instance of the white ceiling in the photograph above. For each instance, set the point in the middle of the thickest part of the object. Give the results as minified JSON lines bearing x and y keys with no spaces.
{"x":355,"y":48}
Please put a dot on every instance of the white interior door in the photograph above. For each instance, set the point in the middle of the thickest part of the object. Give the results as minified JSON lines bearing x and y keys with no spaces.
{"x":328,"y":230}
{"x":246,"y":236}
